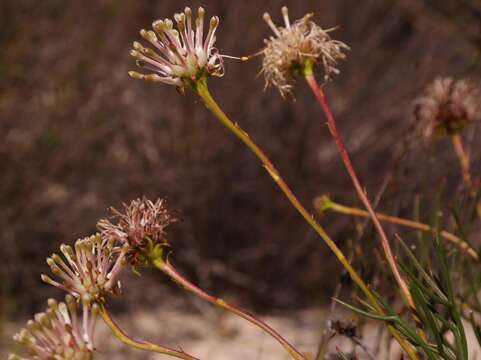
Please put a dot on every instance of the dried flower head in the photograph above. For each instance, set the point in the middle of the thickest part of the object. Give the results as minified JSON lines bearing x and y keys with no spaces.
{"x":447,"y":107}
{"x":90,"y":269}
{"x":182,"y":55}
{"x":141,"y":226}
{"x":296,"y":44}
{"x":58,"y":333}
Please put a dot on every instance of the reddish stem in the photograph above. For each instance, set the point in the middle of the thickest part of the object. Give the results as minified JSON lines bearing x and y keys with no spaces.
{"x":463,"y":158}
{"x":170,"y":271}
{"x":318,"y":93}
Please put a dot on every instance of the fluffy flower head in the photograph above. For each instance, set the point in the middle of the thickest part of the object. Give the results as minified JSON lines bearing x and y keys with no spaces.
{"x":447,"y":107}
{"x":293,"y":45}
{"x":89,"y":270}
{"x":58,"y":333}
{"x":180,"y":55}
{"x":141,"y":226}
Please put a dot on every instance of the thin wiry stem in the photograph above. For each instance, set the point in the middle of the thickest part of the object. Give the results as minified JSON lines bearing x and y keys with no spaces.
{"x":319,"y":94}
{"x":465,"y":163}
{"x":463,"y":158}
{"x":171,"y":272}
{"x":141,"y":345}
{"x":403,"y":286}
{"x":322,"y":204}
{"x":325,"y":338}
{"x":203,"y":91}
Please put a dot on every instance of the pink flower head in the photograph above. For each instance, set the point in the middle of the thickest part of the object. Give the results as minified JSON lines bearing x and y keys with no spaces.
{"x":180,"y":55}
{"x":89,"y":270}
{"x":58,"y":333}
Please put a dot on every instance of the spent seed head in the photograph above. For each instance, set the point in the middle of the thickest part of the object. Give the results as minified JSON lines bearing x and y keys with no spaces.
{"x":293,"y":46}
{"x":141,"y":226}
{"x":447,"y":107}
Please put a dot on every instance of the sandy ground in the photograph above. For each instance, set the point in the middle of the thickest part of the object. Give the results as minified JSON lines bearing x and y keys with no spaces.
{"x":212,"y":335}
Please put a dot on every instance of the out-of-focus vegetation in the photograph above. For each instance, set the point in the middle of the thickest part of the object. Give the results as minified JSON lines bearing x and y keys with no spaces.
{"x":77,"y":135}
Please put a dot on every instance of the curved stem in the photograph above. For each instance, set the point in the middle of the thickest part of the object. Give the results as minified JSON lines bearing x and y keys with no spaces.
{"x":203,"y":91}
{"x":323,"y":203}
{"x":141,"y":345}
{"x":319,"y":94}
{"x":170,"y":271}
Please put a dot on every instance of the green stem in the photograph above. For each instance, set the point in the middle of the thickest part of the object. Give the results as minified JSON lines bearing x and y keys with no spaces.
{"x":203,"y":91}
{"x":171,"y":272}
{"x":143,"y":345}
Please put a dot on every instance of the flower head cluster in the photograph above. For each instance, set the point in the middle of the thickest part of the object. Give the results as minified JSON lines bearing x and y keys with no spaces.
{"x":180,"y":55}
{"x":89,"y":270}
{"x":141,"y":226}
{"x":294,"y":45}
{"x":447,"y":107}
{"x":58,"y":333}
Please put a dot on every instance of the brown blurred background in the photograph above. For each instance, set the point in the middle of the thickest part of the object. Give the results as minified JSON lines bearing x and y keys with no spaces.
{"x":77,"y":135}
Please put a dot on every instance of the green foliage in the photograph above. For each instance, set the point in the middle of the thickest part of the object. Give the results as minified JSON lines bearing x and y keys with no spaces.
{"x":440,"y":302}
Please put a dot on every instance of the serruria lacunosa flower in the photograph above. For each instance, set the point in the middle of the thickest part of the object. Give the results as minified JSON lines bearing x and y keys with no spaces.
{"x":142,"y":226}
{"x":180,"y":56}
{"x":447,"y":107}
{"x":59,"y":333}
{"x":296,"y":45}
{"x":89,"y":270}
